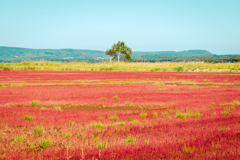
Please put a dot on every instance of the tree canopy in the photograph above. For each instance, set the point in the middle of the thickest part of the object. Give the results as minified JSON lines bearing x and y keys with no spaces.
{"x":120,"y":51}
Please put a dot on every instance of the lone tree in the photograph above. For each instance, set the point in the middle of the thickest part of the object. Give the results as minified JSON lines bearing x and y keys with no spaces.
{"x":120,"y":50}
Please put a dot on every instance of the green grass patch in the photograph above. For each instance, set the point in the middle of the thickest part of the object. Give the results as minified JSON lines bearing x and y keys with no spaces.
{"x":38,"y":131}
{"x":188,"y":150}
{"x":121,"y":123}
{"x":103,"y":98}
{"x":97,"y":125}
{"x":233,"y":103}
{"x":101,"y":146}
{"x":58,"y":108}
{"x":28,"y":118}
{"x":71,"y":123}
{"x":20,"y":138}
{"x":143,"y":115}
{"x":146,"y":142}
{"x":155,"y":114}
{"x":44,"y":143}
{"x":130,"y":140}
{"x":35,"y":102}
{"x":31,"y":145}
{"x":67,"y":135}
{"x":115,"y":97}
{"x":113,"y":118}
{"x":134,"y":122}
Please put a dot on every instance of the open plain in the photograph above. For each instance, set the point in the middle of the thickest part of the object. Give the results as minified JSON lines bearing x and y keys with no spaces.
{"x":119,"y":115}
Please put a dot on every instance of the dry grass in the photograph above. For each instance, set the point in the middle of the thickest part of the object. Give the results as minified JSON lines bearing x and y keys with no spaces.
{"x":123,"y":66}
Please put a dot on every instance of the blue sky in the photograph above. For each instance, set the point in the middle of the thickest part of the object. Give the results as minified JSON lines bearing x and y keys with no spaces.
{"x":144,"y":25}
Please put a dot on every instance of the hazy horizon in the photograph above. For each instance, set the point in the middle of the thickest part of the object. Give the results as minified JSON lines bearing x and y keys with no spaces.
{"x":105,"y":50}
{"x":145,"y":26}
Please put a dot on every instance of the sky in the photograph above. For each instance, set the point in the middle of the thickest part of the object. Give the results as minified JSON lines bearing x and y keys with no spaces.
{"x":144,"y":25}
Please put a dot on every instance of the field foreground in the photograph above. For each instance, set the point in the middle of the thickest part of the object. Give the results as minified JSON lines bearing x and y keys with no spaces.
{"x":119,"y":115}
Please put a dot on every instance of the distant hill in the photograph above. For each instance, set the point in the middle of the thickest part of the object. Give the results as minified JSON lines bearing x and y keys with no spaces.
{"x":173,"y":54}
{"x":14,"y":54}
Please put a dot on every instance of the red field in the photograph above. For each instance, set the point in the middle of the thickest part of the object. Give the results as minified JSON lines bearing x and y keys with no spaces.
{"x":119,"y":115}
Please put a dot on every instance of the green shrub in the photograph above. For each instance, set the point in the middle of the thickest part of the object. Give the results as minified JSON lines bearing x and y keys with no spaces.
{"x":27,"y":117}
{"x":182,"y":115}
{"x":31,"y":145}
{"x":115,"y":97}
{"x":113,"y":118}
{"x":38,"y":131}
{"x":13,"y":85}
{"x":214,"y":114}
{"x":58,"y":108}
{"x":71,"y":123}
{"x":130,"y":118}
{"x":188,"y":150}
{"x":235,"y":103}
{"x":67,"y":135}
{"x":224,"y":113}
{"x":179,"y":69}
{"x":128,"y":103}
{"x":34,"y":102}
{"x":143,"y":115}
{"x":213,"y":103}
{"x":103,"y":98}
{"x":97,"y":125}
{"x":221,"y":129}
{"x":231,"y":103}
{"x":226,"y":110}
{"x":146,"y":142}
{"x":101,"y":119}
{"x":135,"y":122}
{"x":44,"y":143}
{"x":130,"y":140}
{"x":101,"y":146}
{"x":155,"y":114}
{"x":79,"y":135}
{"x":164,"y":113}
{"x":121,"y":123}
{"x":20,"y":139}
{"x":196,"y":115}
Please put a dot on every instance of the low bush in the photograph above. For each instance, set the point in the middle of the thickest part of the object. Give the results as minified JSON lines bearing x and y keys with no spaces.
{"x":44,"y":143}
{"x":34,"y":102}
{"x":130,"y":140}
{"x":97,"y":125}
{"x":115,"y":97}
{"x":28,"y":118}
{"x":20,"y":139}
{"x":38,"y":131}
{"x":113,"y":118}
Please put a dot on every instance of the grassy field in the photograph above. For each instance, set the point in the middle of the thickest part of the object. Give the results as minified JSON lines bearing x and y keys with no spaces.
{"x":123,"y":66}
